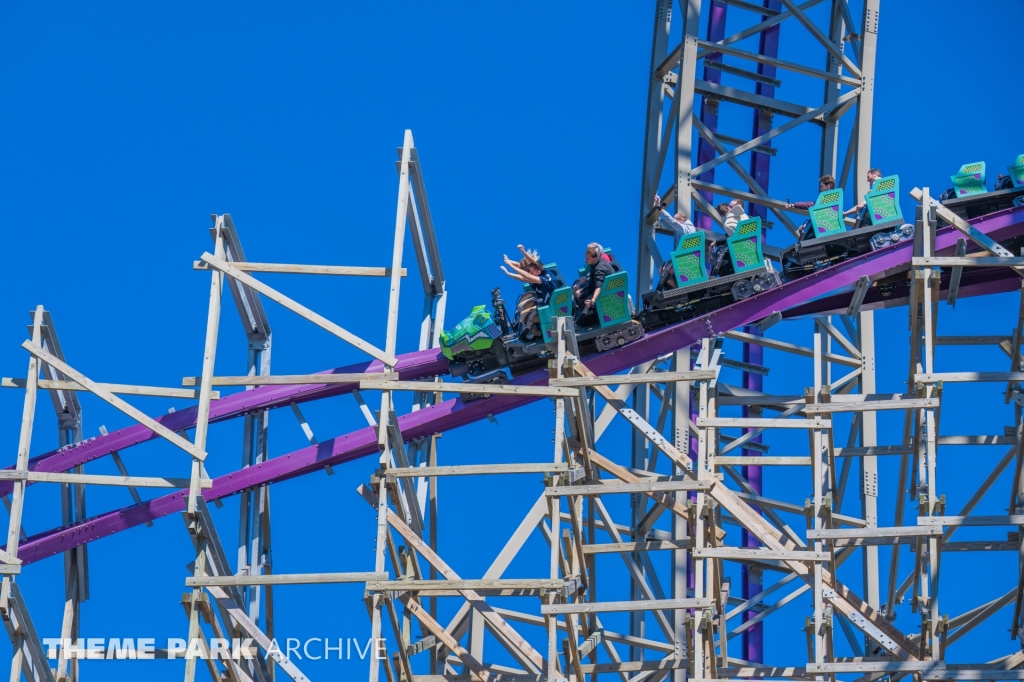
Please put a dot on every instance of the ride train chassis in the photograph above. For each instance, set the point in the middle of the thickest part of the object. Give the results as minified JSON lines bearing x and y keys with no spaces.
{"x":816,"y":253}
{"x":518,"y":356}
{"x":662,"y":308}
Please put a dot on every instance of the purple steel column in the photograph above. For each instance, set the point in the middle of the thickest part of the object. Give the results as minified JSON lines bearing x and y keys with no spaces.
{"x":709,"y":115}
{"x":753,"y":638}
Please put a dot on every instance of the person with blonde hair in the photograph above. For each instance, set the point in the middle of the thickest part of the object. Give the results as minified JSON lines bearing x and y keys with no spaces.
{"x":542,"y":284}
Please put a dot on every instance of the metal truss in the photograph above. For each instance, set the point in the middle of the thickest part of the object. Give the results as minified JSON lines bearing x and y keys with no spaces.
{"x":684,"y":108}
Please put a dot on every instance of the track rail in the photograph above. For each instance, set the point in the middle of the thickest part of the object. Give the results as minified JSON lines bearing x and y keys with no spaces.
{"x":451,"y":414}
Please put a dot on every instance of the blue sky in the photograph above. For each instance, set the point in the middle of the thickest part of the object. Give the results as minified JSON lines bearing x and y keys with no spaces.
{"x":125,"y":125}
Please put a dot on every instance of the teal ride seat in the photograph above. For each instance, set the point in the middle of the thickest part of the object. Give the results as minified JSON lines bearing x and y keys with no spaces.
{"x":1017,"y":171}
{"x":613,"y":303}
{"x":883,"y":200}
{"x":970,"y":180}
{"x":688,"y":260}
{"x":827,"y":213}
{"x":560,"y":305}
{"x":745,"y":246}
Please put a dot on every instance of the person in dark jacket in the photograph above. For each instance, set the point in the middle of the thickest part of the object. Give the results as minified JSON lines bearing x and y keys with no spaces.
{"x":588,"y":289}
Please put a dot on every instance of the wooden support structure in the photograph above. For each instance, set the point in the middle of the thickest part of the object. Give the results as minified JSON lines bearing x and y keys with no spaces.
{"x":689,"y":486}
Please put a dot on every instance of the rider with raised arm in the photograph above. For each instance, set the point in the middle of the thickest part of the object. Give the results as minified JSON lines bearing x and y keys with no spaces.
{"x":542,"y":285}
{"x":678,"y":224}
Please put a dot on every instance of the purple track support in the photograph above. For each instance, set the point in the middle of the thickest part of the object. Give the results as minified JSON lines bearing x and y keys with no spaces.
{"x":760,"y":165}
{"x":454,"y":413}
{"x":973,"y":282}
{"x":410,"y":366}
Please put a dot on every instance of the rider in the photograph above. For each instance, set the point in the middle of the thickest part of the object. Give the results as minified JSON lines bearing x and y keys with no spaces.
{"x":862,"y":207}
{"x":542,"y":285}
{"x":825,"y":183}
{"x":588,"y":288}
{"x":734,"y":216}
{"x":678,"y":224}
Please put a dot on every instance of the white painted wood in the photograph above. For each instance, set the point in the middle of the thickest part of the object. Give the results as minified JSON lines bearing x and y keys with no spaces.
{"x":114,"y":401}
{"x":95,"y":479}
{"x":128,"y":389}
{"x":620,"y":606}
{"x":446,"y":387}
{"x":358,"y":271}
{"x":298,"y":308}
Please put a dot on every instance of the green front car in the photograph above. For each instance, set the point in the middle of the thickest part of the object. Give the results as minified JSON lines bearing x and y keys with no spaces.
{"x":476,"y":332}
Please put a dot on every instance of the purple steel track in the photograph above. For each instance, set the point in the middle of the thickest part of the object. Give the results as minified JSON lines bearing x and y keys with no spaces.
{"x":410,"y":366}
{"x":454,"y":413}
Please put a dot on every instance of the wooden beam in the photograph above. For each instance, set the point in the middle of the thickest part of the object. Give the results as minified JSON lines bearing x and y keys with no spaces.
{"x":476,"y":470}
{"x":613,"y":488}
{"x":957,"y":377}
{"x":641,"y":546}
{"x":490,"y":389}
{"x":620,"y":606}
{"x":114,"y":401}
{"x":874,"y":666}
{"x":635,"y":666}
{"x":940,"y":521}
{"x":291,"y":379}
{"x":762,"y":460}
{"x":871,"y":405}
{"x":28,"y":415}
{"x":483,"y":585}
{"x":298,"y":309}
{"x":495,"y":622}
{"x":94,"y":479}
{"x":791,"y":348}
{"x":647,"y":378}
{"x":889,"y":532}
{"x":754,"y":423}
{"x":282,"y":579}
{"x":741,"y":554}
{"x":285,"y":268}
{"x":450,"y":642}
{"x":125,"y":389}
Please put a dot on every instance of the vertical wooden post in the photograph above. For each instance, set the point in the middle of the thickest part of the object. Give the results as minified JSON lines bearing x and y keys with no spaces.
{"x":555,"y":516}
{"x":680,"y":527}
{"x":202,"y":426}
{"x":209,"y":358}
{"x":819,"y":477}
{"x":28,"y":415}
{"x":18,"y":495}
